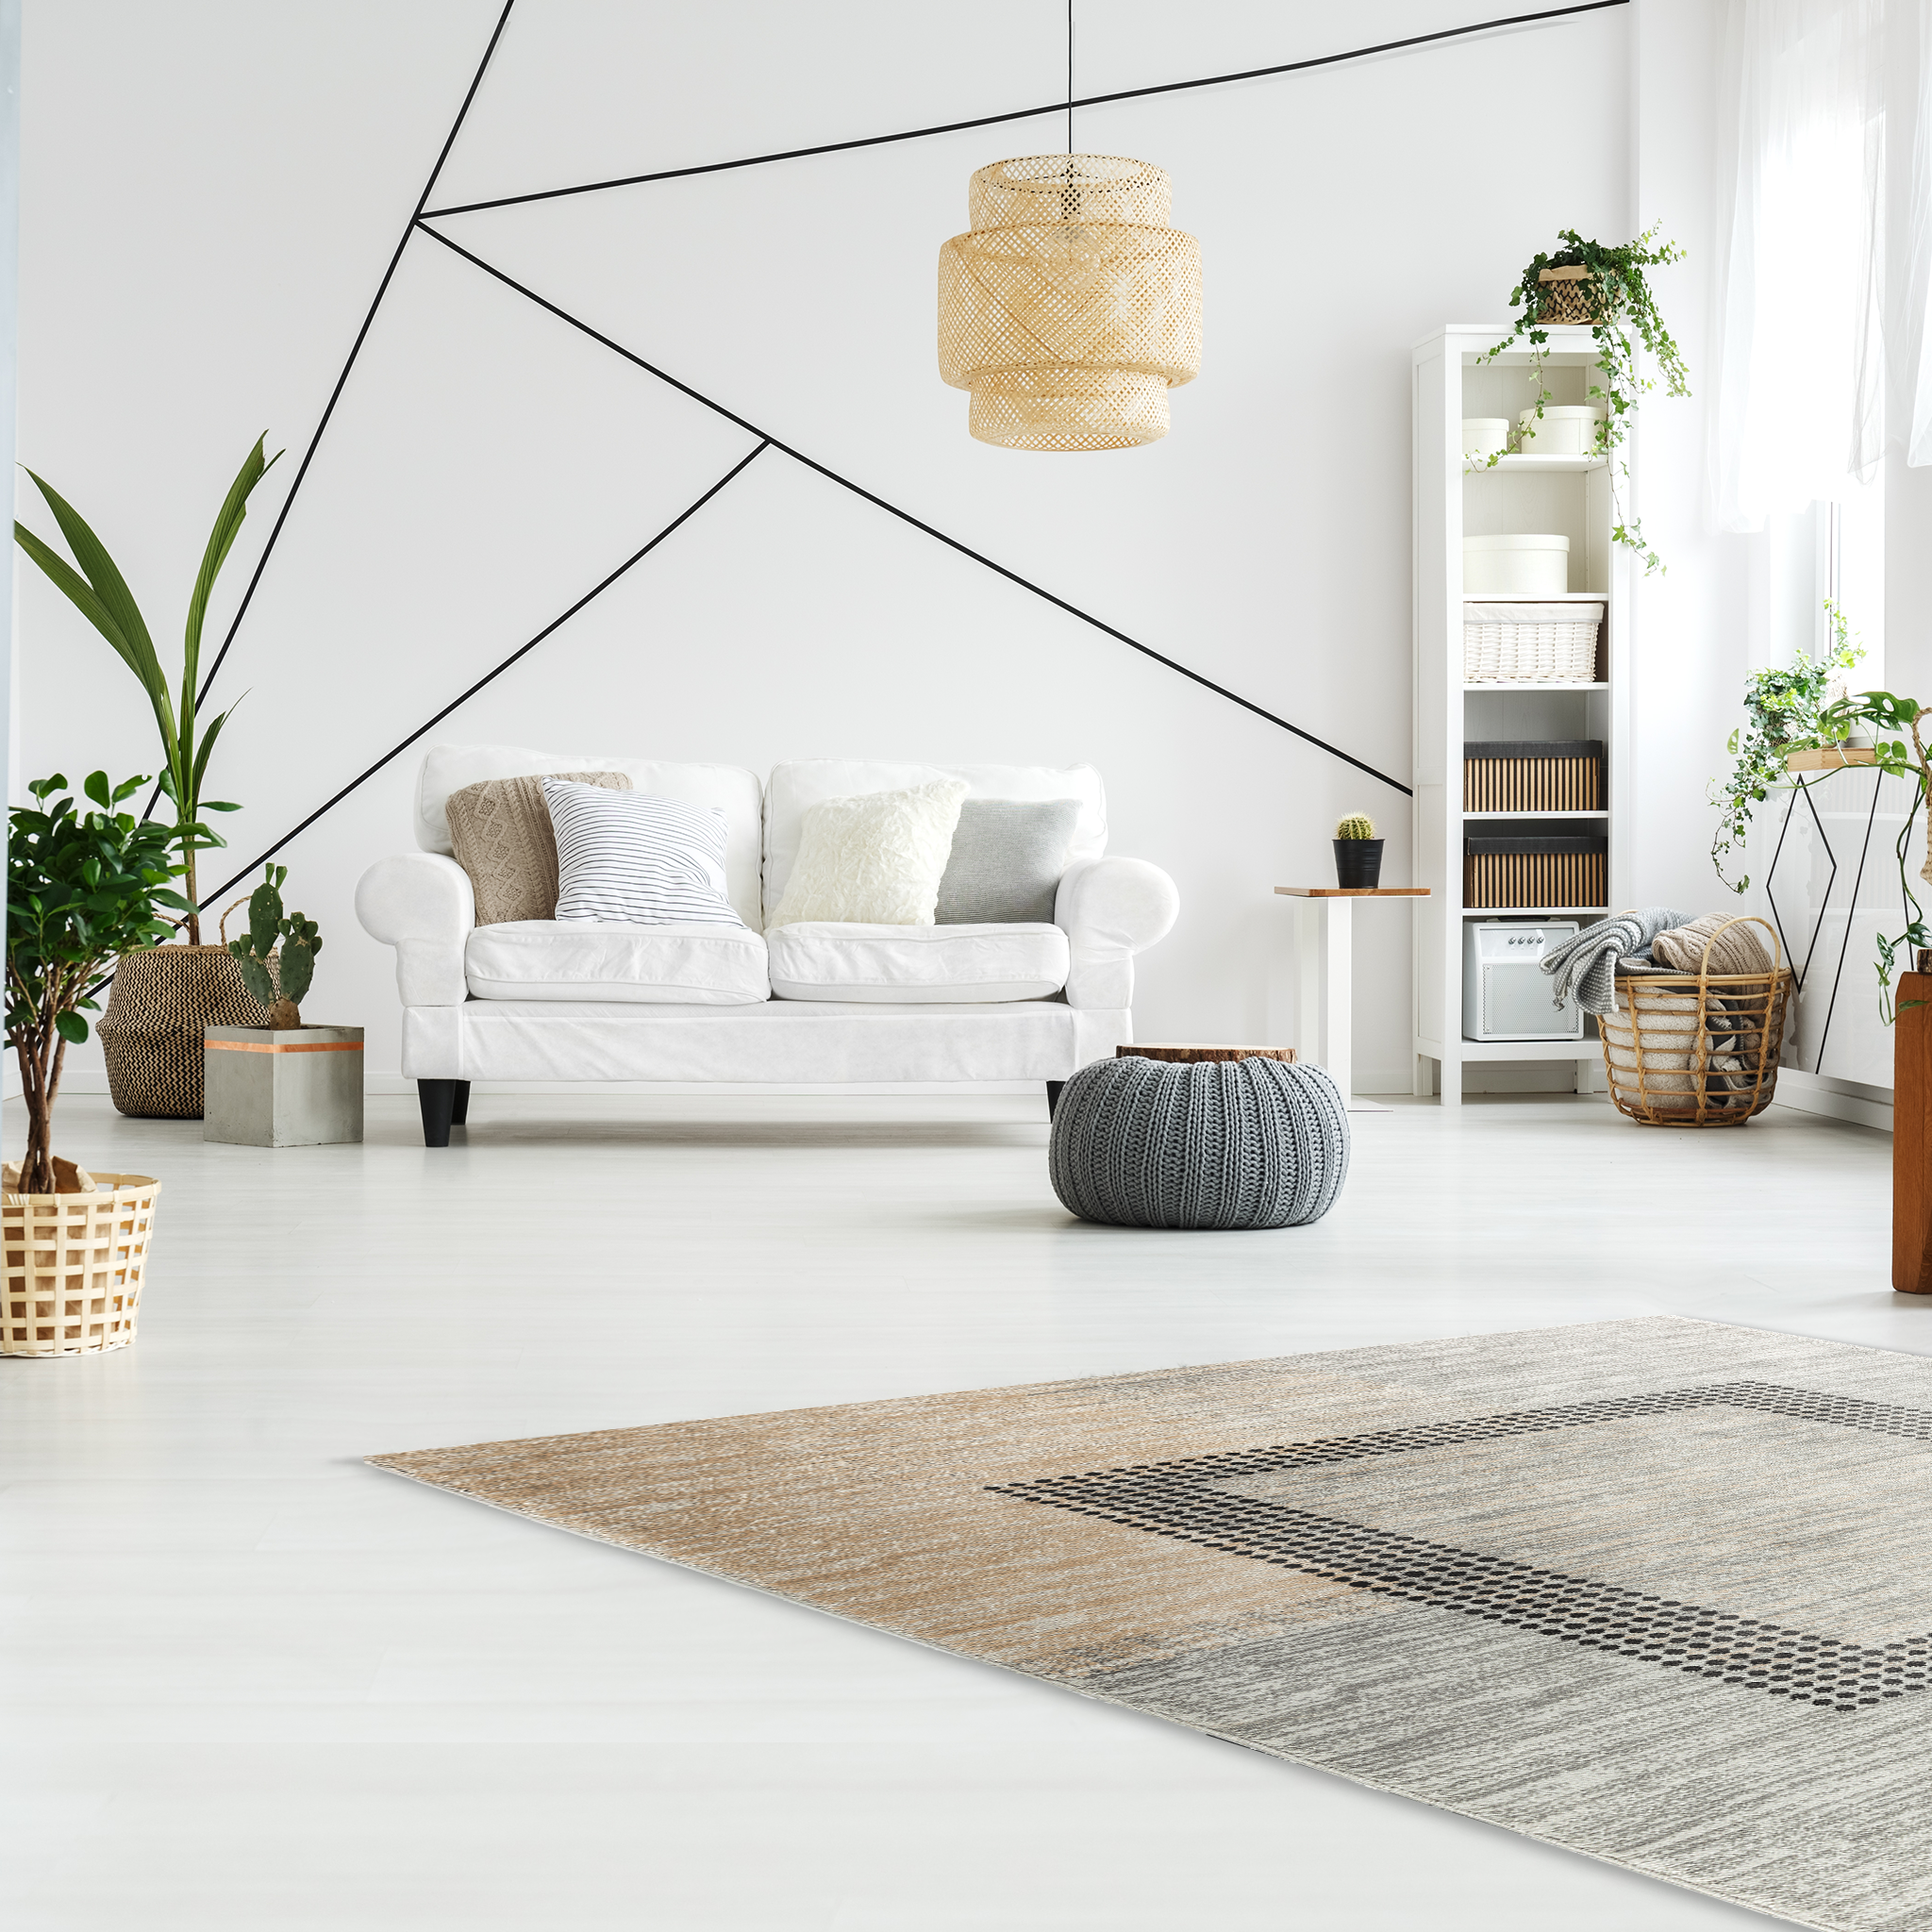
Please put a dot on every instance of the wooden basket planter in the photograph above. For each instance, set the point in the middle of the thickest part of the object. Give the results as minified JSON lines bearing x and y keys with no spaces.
{"x":74,"y":1266}
{"x":1697,"y":1049}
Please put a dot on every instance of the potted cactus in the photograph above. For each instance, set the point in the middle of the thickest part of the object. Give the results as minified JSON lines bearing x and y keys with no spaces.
{"x":1358,"y":854}
{"x":286,"y":1083}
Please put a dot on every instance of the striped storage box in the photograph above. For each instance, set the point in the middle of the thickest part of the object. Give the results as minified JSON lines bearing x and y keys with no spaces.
{"x":1541,"y":643}
{"x":1522,"y":774}
{"x":1510,"y":869}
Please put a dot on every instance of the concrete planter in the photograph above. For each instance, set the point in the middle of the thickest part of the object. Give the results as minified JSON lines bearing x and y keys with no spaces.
{"x":288,"y":1087}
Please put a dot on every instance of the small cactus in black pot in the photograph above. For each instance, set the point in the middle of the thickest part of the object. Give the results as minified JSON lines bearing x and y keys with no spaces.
{"x":277,"y":957}
{"x":1358,"y":854}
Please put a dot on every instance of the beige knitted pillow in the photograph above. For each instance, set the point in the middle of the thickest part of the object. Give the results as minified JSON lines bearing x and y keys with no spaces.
{"x":500,"y":830}
{"x":1741,"y":950}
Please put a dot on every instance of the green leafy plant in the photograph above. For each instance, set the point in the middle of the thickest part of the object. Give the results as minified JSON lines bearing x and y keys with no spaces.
{"x":1785,"y":711}
{"x":82,"y":888}
{"x":1357,"y":826}
{"x":278,"y":955}
{"x":1625,"y":318}
{"x":100,"y":594}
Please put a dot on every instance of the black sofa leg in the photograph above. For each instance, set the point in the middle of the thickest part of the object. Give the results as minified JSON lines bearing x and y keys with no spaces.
{"x":437,"y":1100}
{"x":460,"y":1112}
{"x":1053,"y":1089}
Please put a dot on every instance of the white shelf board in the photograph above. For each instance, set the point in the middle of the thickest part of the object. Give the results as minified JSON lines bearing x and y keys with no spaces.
{"x":1536,"y":596}
{"x":1531,"y":684}
{"x":1531,"y":1049}
{"x":1536,"y":814}
{"x":1530,"y":911}
{"x":1524,"y":464}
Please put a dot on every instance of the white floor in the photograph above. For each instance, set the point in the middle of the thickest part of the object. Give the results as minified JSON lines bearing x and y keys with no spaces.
{"x":249,"y":1682}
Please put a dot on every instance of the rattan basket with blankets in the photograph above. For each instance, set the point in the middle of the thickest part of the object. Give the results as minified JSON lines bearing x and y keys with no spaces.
{"x":151,"y":1033}
{"x":1698,"y":1046}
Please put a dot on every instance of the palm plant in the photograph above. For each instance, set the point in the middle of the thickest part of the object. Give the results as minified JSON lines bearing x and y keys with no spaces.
{"x":100,"y":594}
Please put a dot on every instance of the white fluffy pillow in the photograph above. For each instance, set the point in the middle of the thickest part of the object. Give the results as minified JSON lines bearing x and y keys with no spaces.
{"x":875,"y":859}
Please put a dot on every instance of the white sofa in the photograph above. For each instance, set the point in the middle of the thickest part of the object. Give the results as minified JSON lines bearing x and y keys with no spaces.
{"x":805,"y":1004}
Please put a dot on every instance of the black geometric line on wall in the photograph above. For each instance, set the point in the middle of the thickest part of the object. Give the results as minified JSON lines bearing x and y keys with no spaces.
{"x":524,"y":650}
{"x":1802,"y":789}
{"x":1132,"y":94}
{"x":416,"y":221}
{"x":1851,"y":912}
{"x":335,"y":394}
{"x":905,"y":516}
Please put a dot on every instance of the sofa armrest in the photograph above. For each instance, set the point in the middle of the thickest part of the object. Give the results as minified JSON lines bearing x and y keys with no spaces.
{"x":424,"y":906}
{"x":1110,"y":909}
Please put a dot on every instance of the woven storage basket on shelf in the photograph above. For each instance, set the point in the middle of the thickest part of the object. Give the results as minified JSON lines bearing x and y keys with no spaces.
{"x":1512,"y":774}
{"x":1697,"y":1049}
{"x":73,"y":1265}
{"x":1502,"y":870}
{"x":151,"y":1033}
{"x":1568,"y":294}
{"x":1520,"y":644}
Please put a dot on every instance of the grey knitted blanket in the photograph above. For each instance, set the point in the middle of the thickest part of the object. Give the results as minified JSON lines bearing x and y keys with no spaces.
{"x":1585,"y":970}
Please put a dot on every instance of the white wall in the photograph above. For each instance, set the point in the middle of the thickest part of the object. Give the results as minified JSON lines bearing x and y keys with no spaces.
{"x":211,"y":191}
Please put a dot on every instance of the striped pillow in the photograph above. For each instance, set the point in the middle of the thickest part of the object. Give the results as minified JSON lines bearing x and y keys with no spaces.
{"x":649,"y":861}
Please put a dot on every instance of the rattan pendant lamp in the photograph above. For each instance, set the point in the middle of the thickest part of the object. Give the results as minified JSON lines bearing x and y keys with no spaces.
{"x":1070,"y":307}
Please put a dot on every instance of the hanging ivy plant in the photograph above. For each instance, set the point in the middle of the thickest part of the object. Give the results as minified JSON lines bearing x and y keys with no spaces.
{"x":1615,"y":298}
{"x":1784,"y":712}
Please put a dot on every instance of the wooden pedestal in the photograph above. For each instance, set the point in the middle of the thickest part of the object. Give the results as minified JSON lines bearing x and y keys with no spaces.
{"x":1912,"y":1137}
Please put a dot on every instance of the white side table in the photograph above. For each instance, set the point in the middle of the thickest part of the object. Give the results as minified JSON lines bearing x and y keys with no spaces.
{"x":1323,"y":1004}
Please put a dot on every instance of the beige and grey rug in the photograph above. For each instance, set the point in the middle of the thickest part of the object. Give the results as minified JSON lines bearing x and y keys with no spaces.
{"x":1660,"y":1591}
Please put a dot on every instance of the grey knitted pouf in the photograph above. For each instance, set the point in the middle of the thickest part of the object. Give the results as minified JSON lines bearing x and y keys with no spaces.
{"x":1232,"y":1143}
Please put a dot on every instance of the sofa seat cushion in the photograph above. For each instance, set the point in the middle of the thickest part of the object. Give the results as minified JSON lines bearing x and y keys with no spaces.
{"x":917,"y":965}
{"x":690,"y":965}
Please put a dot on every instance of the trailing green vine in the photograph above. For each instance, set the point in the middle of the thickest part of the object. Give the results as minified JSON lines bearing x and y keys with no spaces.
{"x":1625,"y":316}
{"x":1784,"y":712}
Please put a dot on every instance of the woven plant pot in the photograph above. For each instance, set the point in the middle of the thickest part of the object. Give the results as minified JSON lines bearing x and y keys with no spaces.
{"x":72,"y":1265}
{"x":1568,"y":294}
{"x":151,"y":1034}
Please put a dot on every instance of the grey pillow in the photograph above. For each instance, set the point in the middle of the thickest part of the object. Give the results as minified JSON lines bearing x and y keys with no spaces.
{"x":1007,"y":860}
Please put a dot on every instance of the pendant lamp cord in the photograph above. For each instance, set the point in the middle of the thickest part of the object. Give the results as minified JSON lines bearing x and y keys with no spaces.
{"x":1070,"y":76}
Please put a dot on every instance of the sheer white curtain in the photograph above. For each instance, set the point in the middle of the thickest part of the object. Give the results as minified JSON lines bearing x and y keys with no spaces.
{"x":1801,"y":404}
{"x":1913,"y":320}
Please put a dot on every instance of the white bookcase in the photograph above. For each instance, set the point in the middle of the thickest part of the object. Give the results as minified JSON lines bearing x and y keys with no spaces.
{"x":1453,"y":498}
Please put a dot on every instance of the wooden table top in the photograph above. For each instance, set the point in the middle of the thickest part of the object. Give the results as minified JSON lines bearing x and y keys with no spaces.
{"x":1354,"y":892}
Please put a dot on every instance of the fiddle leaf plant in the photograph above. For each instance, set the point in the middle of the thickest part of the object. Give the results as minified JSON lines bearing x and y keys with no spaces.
{"x":82,"y":888}
{"x":278,"y":959}
{"x":99,"y":591}
{"x":1624,"y":318}
{"x":1785,"y":711}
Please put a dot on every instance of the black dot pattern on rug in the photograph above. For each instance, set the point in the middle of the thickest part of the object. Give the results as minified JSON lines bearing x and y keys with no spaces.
{"x":1179,"y":1500}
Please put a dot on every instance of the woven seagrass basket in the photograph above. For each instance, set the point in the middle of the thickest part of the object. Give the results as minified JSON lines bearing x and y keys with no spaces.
{"x":1568,"y":294}
{"x":71,"y":1266}
{"x":151,"y":1033}
{"x":1697,"y":1049}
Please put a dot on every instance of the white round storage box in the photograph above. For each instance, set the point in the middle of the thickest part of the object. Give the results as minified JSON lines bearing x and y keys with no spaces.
{"x":1516,"y":566}
{"x":1566,"y":430}
{"x":1485,"y":436}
